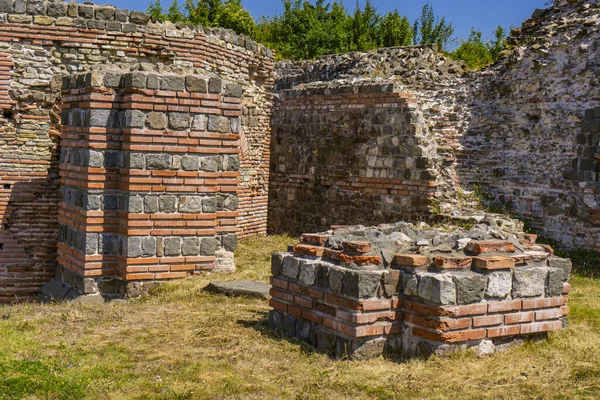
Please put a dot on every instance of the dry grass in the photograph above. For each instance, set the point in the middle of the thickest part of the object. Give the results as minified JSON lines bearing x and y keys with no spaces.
{"x":181,"y":343}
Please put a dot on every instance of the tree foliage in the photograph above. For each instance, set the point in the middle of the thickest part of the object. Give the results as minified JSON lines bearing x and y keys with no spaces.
{"x":478,"y":54}
{"x":395,"y":30}
{"x":430,"y":28}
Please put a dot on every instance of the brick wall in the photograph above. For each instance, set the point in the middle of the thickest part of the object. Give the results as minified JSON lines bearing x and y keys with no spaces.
{"x":348,"y":155}
{"x":49,"y":40}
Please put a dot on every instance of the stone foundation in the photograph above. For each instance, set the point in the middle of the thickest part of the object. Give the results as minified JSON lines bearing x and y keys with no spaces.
{"x":418,"y":291}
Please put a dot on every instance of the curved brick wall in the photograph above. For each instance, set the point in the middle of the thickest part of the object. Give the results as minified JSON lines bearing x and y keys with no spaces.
{"x":49,"y":40}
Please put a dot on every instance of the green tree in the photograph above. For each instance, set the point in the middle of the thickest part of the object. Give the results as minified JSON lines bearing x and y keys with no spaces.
{"x":174,"y":13}
{"x":155,"y":10}
{"x":202,"y":12}
{"x":430,"y":28}
{"x":474,"y":51}
{"x":394,"y":30}
{"x":232,"y":15}
{"x":363,"y":27}
{"x":497,"y":44}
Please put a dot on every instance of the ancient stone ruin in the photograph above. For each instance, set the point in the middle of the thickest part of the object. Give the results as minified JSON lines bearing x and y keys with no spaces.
{"x":134,"y":151}
{"x":418,"y":291}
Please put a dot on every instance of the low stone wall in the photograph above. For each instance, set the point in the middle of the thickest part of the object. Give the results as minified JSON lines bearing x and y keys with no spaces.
{"x":418,"y":291}
{"x":348,"y":154}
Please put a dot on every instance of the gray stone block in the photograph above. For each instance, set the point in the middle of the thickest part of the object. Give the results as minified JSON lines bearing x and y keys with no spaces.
{"x":236,"y":125}
{"x":208,"y":246}
{"x":137,"y":161}
{"x":121,"y":15}
{"x":134,"y":119}
{"x":151,"y":204}
{"x":277,"y":264}
{"x":113,"y":26}
{"x":190,"y":204}
{"x":563,"y":263}
{"x":233,"y":90}
{"x":218,"y":124}
{"x":209,"y":205}
{"x":158,"y":161}
{"x":361,"y":284}
{"x":134,"y":247}
{"x":167,"y":204}
{"x":137,"y":17}
{"x":91,"y":243}
{"x":149,"y":246}
{"x":210,"y":163}
{"x":20,"y":6}
{"x":554,"y":283}
{"x":336,"y":279}
{"x":153,"y":81}
{"x":179,"y":121}
{"x":136,"y":205}
{"x":172,"y":246}
{"x":215,"y":85}
{"x":93,"y":202}
{"x":231,"y":163}
{"x":190,"y":246}
{"x":231,"y":203}
{"x":194,"y":83}
{"x":96,"y":159}
{"x":86,"y":11}
{"x":112,"y":80}
{"x":290,"y":267}
{"x":322,"y":275}
{"x":100,"y":118}
{"x":437,"y":288}
{"x":241,"y":288}
{"x":230,"y":242}
{"x":410,"y":285}
{"x":499,"y":284}
{"x":173,"y":83}
{"x":529,"y":282}
{"x":308,"y":272}
{"x":57,"y":9}
{"x":134,"y":80}
{"x":105,"y":13}
{"x":36,"y":7}
{"x":190,"y":163}
{"x":470,"y":287}
{"x":6,"y":6}
{"x":200,"y":122}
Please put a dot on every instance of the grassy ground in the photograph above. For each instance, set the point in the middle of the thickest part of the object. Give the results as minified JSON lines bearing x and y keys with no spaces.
{"x":181,"y":343}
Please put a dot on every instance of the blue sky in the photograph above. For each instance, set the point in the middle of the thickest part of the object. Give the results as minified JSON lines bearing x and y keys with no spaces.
{"x":484,"y":15}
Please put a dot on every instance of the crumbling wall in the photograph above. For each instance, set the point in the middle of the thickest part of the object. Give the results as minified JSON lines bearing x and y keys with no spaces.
{"x":43,"y":41}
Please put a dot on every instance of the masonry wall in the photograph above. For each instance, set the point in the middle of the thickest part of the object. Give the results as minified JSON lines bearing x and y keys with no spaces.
{"x":40,"y":42}
{"x":348,"y":155}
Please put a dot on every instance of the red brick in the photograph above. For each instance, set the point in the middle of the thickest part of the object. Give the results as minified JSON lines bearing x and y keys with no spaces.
{"x":314,"y":238}
{"x":565,"y":310}
{"x":300,"y":289}
{"x":542,"y":303}
{"x":444,"y":262}
{"x":541,"y":327}
{"x":504,"y":331}
{"x":503,"y":306}
{"x":315,"y":294}
{"x":488,"y":320}
{"x":303,"y":302}
{"x":375,"y":305}
{"x":360,"y":260}
{"x":357,"y":247}
{"x":370,"y":330}
{"x":450,"y":337}
{"x":548,"y":314}
{"x":521,"y":259}
{"x":411,"y":260}
{"x":333,"y":254}
{"x":441,"y":324}
{"x":517,"y":318}
{"x":493,"y":262}
{"x":309,"y":250}
{"x":488,"y":246}
{"x":531,"y":238}
{"x":567,"y":288}
{"x":326,"y":309}
{"x":311,"y":316}
{"x":278,"y":305}
{"x":281,"y":295}
{"x":279,"y":283}
{"x":295,"y":311}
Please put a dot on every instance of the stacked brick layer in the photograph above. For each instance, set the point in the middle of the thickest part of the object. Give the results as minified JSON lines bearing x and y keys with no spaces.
{"x":346,"y":302}
{"x":338,"y":152}
{"x":42,"y":41}
{"x":149,"y":177}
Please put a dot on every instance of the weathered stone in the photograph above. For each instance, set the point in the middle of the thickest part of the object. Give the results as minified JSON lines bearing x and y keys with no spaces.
{"x":149,"y":246}
{"x":208,"y":246}
{"x":470,"y":287}
{"x":190,"y":204}
{"x":151,"y":204}
{"x":190,"y":163}
{"x":173,"y":83}
{"x":290,"y":267}
{"x":210,"y":163}
{"x":215,"y":85}
{"x":134,"y":247}
{"x":218,"y":124}
{"x":241,"y":288}
{"x":105,"y":13}
{"x":137,"y":161}
{"x":361,"y":284}
{"x":308,"y":272}
{"x":158,"y":161}
{"x":499,"y":285}
{"x":194,"y":83}
{"x":137,"y":17}
{"x":437,"y":288}
{"x":6,"y":6}
{"x":230,"y":242}
{"x":190,"y":246}
{"x":134,"y":118}
{"x":209,"y":205}
{"x":167,"y":204}
{"x":36,"y":7}
{"x":136,"y":204}
{"x":563,"y":263}
{"x":277,"y":264}
{"x":554,"y":284}
{"x":410,"y":285}
{"x":156,"y":120}
{"x":179,"y":121}
{"x":529,"y":282}
{"x":172,"y":246}
{"x":199,"y":123}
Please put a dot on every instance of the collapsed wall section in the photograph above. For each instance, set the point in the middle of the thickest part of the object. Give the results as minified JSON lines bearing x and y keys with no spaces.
{"x":347,"y":155}
{"x":42,"y":41}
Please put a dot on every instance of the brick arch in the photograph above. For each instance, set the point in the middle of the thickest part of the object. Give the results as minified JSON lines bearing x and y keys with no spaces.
{"x":6,"y":75}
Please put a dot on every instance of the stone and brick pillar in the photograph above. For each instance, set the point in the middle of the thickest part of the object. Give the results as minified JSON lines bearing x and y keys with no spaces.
{"x":149,"y":177}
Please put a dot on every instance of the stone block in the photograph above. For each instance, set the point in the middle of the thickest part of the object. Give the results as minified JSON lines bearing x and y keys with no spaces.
{"x":96,"y":159}
{"x":210,"y":163}
{"x":167,"y":204}
{"x":290,"y":267}
{"x":410,"y":285}
{"x":134,"y":80}
{"x":470,"y":287}
{"x":57,"y":9}
{"x":133,"y":247}
{"x":6,"y":6}
{"x":100,"y":118}
{"x":91,"y":243}
{"x":156,"y":120}
{"x":277,"y":264}
{"x":209,"y":205}
{"x":554,"y":284}
{"x":173,"y":83}
{"x":336,"y":280}
{"x":236,"y":125}
{"x":308,"y":272}
{"x":437,"y":288}
{"x":121,"y":15}
{"x":86,"y":11}
{"x":390,"y":281}
{"x":190,"y":163}
{"x":215,"y":85}
{"x":190,"y":204}
{"x":563,"y":263}
{"x":194,"y":83}
{"x":36,"y":7}
{"x":136,"y":205}
{"x":200,"y":122}
{"x":179,"y":121}
{"x":218,"y":124}
{"x":323,"y":275}
{"x":137,"y":17}
{"x":105,"y":13}
{"x":136,"y":160}
{"x":233,"y":90}
{"x":361,"y":284}
{"x":231,"y":203}
{"x":231,"y":163}
{"x":153,"y":81}
{"x":158,"y":161}
{"x":149,"y":246}
{"x":499,"y":284}
{"x":229,"y":242}
{"x":151,"y":204}
{"x":20,"y":6}
{"x":134,"y":119}
{"x":172,"y":246}
{"x":529,"y":282}
{"x":190,"y":246}
{"x":208,"y":246}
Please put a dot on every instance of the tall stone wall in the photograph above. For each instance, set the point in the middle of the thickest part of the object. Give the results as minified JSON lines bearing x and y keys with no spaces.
{"x":40,"y":43}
